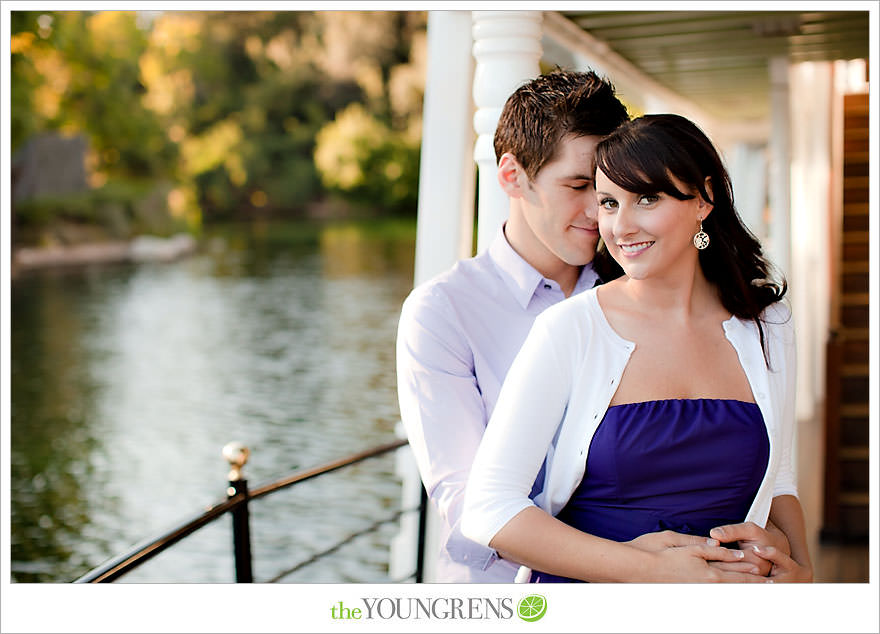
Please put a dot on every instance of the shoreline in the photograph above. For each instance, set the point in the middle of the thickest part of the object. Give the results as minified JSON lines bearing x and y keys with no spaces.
{"x":139,"y":249}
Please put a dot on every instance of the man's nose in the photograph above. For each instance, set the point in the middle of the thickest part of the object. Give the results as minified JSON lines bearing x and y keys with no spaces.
{"x":591,"y":209}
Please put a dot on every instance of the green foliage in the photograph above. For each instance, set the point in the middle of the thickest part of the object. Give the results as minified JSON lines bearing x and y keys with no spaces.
{"x":78,"y":72}
{"x":226,"y":106}
{"x":123,"y":207}
{"x":362,"y":159}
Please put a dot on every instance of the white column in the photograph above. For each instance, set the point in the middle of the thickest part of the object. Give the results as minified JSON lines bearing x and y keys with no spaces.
{"x":507,"y":47}
{"x":779,"y":188}
{"x":811,"y":90}
{"x":812,"y":120}
{"x":446,"y":169}
{"x":747,"y":165}
{"x":445,"y":224}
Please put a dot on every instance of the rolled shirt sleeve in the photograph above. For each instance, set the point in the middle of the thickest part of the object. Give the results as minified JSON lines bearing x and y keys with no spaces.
{"x":440,"y":402}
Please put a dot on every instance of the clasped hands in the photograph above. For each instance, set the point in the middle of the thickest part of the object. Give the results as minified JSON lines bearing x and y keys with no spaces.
{"x":763,"y":555}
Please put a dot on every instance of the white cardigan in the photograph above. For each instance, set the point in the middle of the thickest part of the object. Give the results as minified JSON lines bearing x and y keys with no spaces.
{"x":556,"y":394}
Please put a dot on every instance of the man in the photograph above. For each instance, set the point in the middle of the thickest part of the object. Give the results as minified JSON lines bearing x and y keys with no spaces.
{"x":460,"y":331}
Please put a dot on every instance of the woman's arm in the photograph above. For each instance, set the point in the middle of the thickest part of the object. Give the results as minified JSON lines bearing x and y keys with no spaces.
{"x":530,"y":408}
{"x":544,"y":543}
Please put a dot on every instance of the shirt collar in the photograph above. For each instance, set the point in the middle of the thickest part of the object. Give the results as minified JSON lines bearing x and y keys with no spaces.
{"x":521,"y":277}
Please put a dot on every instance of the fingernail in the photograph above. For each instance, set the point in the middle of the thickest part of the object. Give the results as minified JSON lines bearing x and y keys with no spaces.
{"x":754,"y":571}
{"x":756,"y":549}
{"x":739,"y":554}
{"x":712,"y":542}
{"x":769,"y":580}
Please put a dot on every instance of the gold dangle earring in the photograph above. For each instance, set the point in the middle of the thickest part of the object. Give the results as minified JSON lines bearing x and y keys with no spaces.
{"x":701,"y":238}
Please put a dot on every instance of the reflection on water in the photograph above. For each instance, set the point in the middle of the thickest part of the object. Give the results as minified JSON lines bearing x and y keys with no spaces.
{"x":128,"y":380}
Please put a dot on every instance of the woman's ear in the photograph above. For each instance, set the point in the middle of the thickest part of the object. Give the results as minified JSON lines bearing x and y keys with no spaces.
{"x":511,"y":175}
{"x":705,"y":205}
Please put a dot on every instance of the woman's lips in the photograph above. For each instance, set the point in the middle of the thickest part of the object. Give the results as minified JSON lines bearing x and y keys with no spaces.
{"x":635,"y":248}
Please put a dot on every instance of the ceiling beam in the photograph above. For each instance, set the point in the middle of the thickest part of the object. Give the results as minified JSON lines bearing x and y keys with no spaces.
{"x":636,"y":84}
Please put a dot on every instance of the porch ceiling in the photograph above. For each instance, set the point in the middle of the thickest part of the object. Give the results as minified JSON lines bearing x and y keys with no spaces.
{"x":719,"y":59}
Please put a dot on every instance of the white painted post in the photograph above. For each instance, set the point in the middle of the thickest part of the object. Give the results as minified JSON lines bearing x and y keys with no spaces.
{"x":779,"y":186}
{"x":747,"y":165}
{"x":445,"y":224}
{"x":507,"y":48}
{"x":812,"y":86}
{"x":446,"y":169}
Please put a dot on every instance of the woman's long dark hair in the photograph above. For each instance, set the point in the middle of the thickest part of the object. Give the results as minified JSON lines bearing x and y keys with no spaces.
{"x":640,"y":156}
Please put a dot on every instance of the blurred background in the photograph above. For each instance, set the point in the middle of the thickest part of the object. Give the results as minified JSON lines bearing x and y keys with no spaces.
{"x":277,"y":152}
{"x":212,"y":116}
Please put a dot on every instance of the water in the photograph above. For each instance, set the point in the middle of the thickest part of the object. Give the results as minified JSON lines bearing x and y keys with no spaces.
{"x":127,"y":381}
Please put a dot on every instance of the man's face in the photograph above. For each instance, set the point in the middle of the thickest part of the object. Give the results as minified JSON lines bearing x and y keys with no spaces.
{"x":560,"y":203}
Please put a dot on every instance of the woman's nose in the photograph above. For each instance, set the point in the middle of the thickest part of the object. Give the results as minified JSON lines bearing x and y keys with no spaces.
{"x":623,"y":223}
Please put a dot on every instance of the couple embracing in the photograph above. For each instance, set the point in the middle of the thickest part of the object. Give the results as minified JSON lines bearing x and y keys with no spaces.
{"x":606,"y":393}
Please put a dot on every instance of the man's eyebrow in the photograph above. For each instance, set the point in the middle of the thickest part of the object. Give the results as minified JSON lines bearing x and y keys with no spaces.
{"x":578,"y":177}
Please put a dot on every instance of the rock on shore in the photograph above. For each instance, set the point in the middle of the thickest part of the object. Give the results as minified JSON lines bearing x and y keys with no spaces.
{"x":140,"y":249}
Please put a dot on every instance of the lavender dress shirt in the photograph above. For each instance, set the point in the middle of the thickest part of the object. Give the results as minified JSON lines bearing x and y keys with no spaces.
{"x":457,"y":337}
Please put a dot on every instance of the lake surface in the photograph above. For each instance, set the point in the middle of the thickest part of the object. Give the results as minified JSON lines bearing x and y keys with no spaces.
{"x":128,"y":380}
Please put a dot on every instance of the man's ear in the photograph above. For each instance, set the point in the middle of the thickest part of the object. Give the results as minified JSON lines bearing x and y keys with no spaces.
{"x":511,"y":175}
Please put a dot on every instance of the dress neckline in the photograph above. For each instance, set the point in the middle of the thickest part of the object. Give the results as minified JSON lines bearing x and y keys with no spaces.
{"x":659,"y":401}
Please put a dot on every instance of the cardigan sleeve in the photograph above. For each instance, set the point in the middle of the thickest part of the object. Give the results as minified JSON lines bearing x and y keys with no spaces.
{"x":782,"y":329}
{"x":530,"y":407}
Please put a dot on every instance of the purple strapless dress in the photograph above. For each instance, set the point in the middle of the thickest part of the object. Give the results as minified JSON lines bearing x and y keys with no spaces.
{"x":681,"y":464}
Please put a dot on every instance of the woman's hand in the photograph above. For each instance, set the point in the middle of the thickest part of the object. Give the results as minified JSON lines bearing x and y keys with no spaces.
{"x":653,"y":542}
{"x":699,"y":564}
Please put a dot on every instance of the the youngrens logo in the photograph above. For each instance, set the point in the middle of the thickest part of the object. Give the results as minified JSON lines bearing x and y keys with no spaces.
{"x":530,"y":608}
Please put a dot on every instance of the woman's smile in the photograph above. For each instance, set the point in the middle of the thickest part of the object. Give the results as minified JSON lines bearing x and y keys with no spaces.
{"x":635,"y":248}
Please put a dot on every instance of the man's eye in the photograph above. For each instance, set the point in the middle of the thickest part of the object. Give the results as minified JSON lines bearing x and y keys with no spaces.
{"x":579,"y":187}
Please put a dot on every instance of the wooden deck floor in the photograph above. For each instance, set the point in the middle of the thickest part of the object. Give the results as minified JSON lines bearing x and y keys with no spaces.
{"x":832,"y":563}
{"x":840,"y":564}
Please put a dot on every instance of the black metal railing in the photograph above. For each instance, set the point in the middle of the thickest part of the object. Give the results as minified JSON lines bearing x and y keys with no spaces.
{"x":236,"y":503}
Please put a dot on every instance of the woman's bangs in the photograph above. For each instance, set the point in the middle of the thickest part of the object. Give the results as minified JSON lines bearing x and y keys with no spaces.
{"x":638,"y":170}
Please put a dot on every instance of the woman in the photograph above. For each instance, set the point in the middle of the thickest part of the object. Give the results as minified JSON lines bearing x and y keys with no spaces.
{"x":661,"y":400}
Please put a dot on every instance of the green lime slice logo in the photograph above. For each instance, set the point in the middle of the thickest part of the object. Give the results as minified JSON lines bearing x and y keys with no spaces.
{"x":532,"y":607}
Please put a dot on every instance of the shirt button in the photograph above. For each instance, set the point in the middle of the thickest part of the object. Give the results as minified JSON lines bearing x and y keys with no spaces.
{"x":547,"y":286}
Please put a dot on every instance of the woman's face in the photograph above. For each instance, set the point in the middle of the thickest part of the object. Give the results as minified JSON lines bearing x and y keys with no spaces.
{"x":649,"y":235}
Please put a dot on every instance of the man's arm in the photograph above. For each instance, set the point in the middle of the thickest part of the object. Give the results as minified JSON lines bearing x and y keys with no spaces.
{"x":787,"y":514}
{"x":440,"y":402}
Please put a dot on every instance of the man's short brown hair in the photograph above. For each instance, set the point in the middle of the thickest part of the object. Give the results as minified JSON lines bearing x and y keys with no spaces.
{"x":541,"y":112}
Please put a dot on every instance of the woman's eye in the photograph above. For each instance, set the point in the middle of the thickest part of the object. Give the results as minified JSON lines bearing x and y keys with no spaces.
{"x":608,"y":203}
{"x":649,"y":199}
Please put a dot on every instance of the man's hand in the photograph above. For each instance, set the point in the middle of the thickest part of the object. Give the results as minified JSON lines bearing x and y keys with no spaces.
{"x":748,"y":535}
{"x":785,"y":569}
